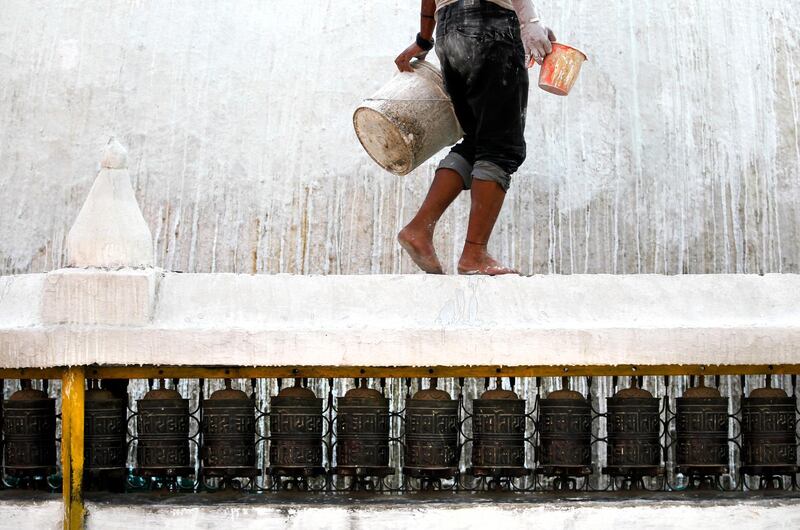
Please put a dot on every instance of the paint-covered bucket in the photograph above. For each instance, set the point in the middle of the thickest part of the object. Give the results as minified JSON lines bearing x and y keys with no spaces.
{"x":560,"y":69}
{"x":407,"y":121}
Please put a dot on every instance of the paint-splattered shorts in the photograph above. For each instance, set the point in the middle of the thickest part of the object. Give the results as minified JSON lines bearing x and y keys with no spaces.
{"x":483,"y":64}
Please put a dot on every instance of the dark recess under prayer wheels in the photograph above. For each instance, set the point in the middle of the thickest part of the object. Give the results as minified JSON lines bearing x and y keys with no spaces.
{"x":701,"y":433}
{"x":431,"y":435}
{"x":29,"y":428}
{"x":769,"y":447}
{"x":105,"y":436}
{"x":565,"y":435}
{"x":634,"y":425}
{"x":295,"y":423}
{"x":362,"y":433}
{"x":498,"y":432}
{"x":163,"y":434}
{"x":229,"y":431}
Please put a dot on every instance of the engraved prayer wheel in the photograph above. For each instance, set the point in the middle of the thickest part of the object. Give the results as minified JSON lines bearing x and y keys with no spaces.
{"x":702,"y":432}
{"x":295,"y":422}
{"x":29,"y":427}
{"x":431,"y":435}
{"x":105,"y":431}
{"x":769,"y":446}
{"x":498,"y":432}
{"x":229,"y":431}
{"x":634,"y":450}
{"x":565,"y":434}
{"x":362,"y":433}
{"x":163,"y":434}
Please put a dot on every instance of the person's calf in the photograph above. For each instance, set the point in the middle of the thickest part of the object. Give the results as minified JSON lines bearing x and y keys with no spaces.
{"x":417,"y":237}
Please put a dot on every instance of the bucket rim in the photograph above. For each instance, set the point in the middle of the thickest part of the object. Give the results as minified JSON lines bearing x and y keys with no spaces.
{"x":422,"y":63}
{"x":406,"y":169}
{"x":585,"y":57}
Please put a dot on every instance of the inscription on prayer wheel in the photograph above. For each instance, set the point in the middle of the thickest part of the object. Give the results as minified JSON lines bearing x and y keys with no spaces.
{"x":565,"y":434}
{"x":29,"y":428}
{"x":229,"y":430}
{"x":498,"y":432}
{"x":768,"y":433}
{"x":163,"y":432}
{"x":702,"y":432}
{"x":431,"y":434}
{"x":362,"y":432}
{"x":105,"y":431}
{"x":633,"y":433}
{"x":296,"y":426}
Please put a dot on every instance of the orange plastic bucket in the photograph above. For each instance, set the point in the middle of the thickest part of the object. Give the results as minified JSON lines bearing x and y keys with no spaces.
{"x":560,"y":69}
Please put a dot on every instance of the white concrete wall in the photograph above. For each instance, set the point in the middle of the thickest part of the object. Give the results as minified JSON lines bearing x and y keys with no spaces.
{"x":129,"y":317}
{"x":634,"y":515}
{"x":31,"y":515}
{"x":677,"y":152}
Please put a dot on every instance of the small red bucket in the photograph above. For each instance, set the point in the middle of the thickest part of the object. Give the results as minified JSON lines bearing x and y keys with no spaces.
{"x":560,"y":69}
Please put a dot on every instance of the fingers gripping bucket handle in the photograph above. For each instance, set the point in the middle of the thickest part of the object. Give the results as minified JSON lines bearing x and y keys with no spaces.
{"x":560,"y":69}
{"x":407,"y":121}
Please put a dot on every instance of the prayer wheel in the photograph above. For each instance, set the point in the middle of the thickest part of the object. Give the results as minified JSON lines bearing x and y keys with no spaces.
{"x":229,"y":434}
{"x":498,"y":432}
{"x":565,"y":434}
{"x":29,"y":427}
{"x":105,"y":431}
{"x":702,"y":432}
{"x":769,"y":446}
{"x":634,"y":449}
{"x":295,"y":422}
{"x":163,"y":434}
{"x":362,"y":433}
{"x":431,"y":435}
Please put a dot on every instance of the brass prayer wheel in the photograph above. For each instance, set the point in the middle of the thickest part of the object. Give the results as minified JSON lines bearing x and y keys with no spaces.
{"x":431,"y":435}
{"x":163,"y":434}
{"x":565,"y":434}
{"x":295,"y":422}
{"x":105,"y":431}
{"x":769,"y":446}
{"x":634,"y":449}
{"x":229,"y":431}
{"x":498,"y":432}
{"x":362,"y":433}
{"x":29,"y":428}
{"x":702,"y":432}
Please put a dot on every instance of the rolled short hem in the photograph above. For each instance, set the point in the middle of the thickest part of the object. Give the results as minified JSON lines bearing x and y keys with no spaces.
{"x":460,"y":165}
{"x":485,"y":170}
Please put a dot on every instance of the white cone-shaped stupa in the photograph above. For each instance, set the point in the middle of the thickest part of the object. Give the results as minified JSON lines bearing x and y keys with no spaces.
{"x":110,"y":231}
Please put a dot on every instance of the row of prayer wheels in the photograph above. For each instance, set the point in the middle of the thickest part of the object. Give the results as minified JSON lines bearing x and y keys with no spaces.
{"x":432,"y":433}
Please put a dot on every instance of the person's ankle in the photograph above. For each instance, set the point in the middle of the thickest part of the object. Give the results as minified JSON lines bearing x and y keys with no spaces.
{"x":421,"y":225}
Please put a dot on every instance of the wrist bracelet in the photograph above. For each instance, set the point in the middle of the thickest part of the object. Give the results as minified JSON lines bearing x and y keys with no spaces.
{"x":424,"y":43}
{"x":423,"y":15}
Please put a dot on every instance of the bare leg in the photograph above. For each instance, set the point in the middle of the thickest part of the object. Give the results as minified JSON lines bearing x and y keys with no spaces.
{"x":417,"y":237}
{"x":487,"y":200}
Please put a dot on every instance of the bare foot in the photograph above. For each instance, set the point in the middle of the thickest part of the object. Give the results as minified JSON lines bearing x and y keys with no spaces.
{"x":476,"y":261}
{"x":419,"y":245}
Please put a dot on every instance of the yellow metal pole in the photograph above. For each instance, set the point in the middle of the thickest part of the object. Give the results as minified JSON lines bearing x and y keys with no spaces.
{"x":72,"y":403}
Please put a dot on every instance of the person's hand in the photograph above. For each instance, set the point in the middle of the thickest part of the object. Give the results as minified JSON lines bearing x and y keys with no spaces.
{"x":538,"y":40}
{"x":403,"y":60}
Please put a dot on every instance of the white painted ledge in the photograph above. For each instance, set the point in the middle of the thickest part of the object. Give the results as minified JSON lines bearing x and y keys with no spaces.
{"x":149,"y":317}
{"x":619,"y":515}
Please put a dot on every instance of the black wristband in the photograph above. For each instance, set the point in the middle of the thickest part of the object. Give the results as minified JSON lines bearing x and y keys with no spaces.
{"x":425,"y":44}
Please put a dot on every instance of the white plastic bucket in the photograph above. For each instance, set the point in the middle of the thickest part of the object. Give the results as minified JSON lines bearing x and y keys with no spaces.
{"x":407,"y":121}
